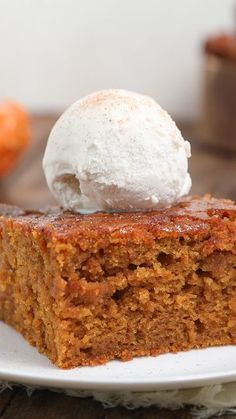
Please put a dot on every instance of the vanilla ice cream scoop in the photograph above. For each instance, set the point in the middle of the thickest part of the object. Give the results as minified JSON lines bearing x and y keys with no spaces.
{"x":116,"y":150}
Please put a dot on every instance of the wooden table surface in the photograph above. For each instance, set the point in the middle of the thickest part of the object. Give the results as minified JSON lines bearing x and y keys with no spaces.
{"x":212,"y":171}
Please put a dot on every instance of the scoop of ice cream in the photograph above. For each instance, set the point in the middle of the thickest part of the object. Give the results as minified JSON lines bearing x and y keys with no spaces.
{"x":116,"y":150}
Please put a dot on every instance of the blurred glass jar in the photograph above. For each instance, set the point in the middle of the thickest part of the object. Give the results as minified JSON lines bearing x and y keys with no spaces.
{"x":218,"y":115}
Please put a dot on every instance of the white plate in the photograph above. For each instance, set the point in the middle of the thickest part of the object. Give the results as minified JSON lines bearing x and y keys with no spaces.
{"x":21,"y":363}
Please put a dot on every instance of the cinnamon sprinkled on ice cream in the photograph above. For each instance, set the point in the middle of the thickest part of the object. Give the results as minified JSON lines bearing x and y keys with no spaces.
{"x":116,"y":150}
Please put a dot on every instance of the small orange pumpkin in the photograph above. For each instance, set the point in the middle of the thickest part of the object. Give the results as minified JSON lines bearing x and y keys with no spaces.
{"x":14,"y":134}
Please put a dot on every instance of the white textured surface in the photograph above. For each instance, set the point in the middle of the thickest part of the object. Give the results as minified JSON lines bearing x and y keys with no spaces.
{"x":21,"y":363}
{"x":116,"y":150}
{"x":206,"y":401}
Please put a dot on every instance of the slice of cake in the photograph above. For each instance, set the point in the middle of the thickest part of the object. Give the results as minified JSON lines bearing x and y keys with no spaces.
{"x":86,"y":289}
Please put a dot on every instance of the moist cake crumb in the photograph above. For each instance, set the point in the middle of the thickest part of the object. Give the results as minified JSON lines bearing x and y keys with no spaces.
{"x":86,"y":289}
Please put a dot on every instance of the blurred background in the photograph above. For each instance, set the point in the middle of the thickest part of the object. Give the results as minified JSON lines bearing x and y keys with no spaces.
{"x":55,"y":51}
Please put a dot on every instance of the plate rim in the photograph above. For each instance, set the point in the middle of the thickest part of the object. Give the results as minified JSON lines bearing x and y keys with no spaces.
{"x":27,"y":376}
{"x":179,"y":382}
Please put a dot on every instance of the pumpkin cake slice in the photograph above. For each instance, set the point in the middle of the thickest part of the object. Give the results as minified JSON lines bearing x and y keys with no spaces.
{"x":86,"y":289}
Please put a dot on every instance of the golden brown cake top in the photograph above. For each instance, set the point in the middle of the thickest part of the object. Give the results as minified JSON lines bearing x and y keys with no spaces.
{"x":191,"y":216}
